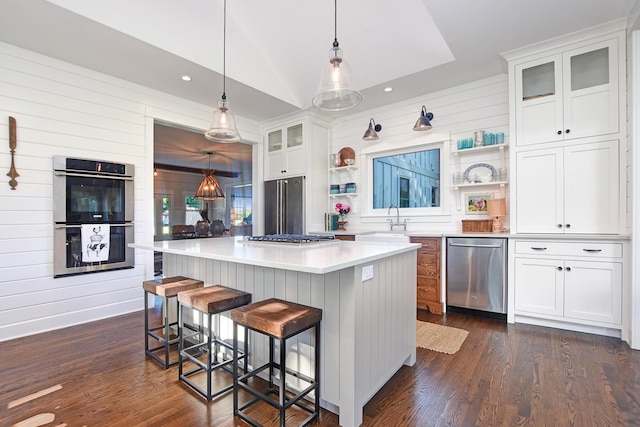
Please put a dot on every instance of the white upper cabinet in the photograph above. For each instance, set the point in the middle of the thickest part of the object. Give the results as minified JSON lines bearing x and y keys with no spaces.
{"x":285,"y":154}
{"x":573,"y":189}
{"x":573,"y":94}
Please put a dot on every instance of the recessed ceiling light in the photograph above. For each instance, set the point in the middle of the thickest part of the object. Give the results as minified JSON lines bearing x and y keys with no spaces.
{"x":388,"y":89}
{"x":186,"y":78}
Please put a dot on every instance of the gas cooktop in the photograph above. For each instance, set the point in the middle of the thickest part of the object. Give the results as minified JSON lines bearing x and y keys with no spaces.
{"x":292,"y":238}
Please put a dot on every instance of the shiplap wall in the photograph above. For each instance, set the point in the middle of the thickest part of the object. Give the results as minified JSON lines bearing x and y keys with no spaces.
{"x":62,"y":109}
{"x":459,"y":111}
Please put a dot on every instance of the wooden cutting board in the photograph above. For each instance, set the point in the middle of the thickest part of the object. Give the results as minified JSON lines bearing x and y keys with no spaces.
{"x":346,"y":153}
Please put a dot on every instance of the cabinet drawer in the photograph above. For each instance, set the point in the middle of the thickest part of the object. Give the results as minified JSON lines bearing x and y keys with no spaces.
{"x":428,"y":259}
{"x":428,"y":281}
{"x":428,"y":270}
{"x":427,"y":294}
{"x":429,"y":244}
{"x":582,"y":249}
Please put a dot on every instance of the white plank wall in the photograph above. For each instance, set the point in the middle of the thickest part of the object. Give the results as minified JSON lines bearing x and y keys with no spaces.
{"x":62,"y":109}
{"x":458,"y":111}
{"x":367,"y":331}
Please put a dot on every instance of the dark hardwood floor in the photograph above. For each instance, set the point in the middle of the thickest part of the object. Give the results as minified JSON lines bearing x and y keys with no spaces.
{"x":504,"y":375}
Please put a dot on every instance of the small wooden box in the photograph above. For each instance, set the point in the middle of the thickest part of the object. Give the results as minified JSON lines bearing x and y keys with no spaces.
{"x":477,"y":225}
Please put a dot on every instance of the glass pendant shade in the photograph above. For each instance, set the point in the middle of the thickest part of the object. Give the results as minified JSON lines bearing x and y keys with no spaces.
{"x":209,"y":188}
{"x":223,"y":125}
{"x":423,"y":122}
{"x":336,"y":91}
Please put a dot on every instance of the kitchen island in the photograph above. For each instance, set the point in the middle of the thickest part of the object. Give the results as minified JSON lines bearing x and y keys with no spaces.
{"x":368,"y":328}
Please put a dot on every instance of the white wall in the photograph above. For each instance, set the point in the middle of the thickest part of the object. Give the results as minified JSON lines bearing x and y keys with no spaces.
{"x":634,"y":158}
{"x":458,"y":112}
{"x":62,"y":109}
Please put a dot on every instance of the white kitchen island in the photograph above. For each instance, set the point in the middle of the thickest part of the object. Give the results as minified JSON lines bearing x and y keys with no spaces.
{"x":368,"y":328}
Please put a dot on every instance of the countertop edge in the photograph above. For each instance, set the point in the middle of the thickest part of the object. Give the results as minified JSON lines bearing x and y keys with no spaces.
{"x":506,"y":235}
{"x":390,"y":250}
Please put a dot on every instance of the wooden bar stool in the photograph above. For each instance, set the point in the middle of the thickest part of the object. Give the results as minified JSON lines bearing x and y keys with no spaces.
{"x":165,"y":288}
{"x":211,"y":301}
{"x":279,"y":320}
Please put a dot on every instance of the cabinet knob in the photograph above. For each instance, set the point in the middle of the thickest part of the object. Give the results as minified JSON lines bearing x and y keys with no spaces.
{"x":559,"y":226}
{"x":559,"y":132}
{"x":568,"y":226}
{"x":559,"y":268}
{"x":568,"y":268}
{"x":567,"y":131}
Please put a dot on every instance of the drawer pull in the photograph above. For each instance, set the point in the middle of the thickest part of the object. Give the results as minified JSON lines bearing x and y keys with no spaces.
{"x":537,"y":248}
{"x":592,"y":250}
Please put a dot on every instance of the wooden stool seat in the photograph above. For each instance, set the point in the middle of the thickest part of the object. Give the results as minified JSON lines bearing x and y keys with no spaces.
{"x":214,"y":299}
{"x":170,"y":286}
{"x":203,"y":349}
{"x":165,"y":288}
{"x":278,"y":320}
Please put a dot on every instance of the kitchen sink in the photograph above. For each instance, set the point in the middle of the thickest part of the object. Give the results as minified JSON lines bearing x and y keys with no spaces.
{"x":381,"y":236}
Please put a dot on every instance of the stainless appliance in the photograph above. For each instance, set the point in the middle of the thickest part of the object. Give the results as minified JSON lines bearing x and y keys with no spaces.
{"x":91,"y":192}
{"x":284,"y":206}
{"x":476,"y":274}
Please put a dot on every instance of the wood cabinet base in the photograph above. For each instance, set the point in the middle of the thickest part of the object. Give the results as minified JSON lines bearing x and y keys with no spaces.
{"x":428,"y":290}
{"x":432,"y":306}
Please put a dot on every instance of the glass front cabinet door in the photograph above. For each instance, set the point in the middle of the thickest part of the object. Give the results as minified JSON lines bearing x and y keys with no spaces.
{"x":285,"y":152}
{"x":568,"y":95}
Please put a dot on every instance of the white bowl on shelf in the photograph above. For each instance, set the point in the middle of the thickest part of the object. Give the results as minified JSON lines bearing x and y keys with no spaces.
{"x":349,"y":162}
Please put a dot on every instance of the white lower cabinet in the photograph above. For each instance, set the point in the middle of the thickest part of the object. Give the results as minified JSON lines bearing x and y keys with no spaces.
{"x":539,"y":286}
{"x":571,"y":282}
{"x":593,"y":291}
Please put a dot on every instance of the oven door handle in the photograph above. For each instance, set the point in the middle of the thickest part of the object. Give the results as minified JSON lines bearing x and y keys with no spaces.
{"x":59,"y":226}
{"x":84,"y":175}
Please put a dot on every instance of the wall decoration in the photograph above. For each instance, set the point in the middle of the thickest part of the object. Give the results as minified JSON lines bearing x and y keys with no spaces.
{"x":13,"y":142}
{"x":476,"y":204}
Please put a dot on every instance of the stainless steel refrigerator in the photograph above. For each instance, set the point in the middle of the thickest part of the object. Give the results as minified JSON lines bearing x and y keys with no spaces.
{"x":476,"y":274}
{"x":284,"y":206}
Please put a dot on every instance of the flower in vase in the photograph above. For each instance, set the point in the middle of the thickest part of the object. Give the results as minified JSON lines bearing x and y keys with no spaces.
{"x":342,"y":209}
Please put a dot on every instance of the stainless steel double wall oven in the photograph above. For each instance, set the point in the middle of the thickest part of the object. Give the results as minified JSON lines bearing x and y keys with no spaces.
{"x":91,"y":192}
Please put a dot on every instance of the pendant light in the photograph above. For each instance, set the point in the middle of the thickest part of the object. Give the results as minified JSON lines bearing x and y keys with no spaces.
{"x":223,"y":126}
{"x":209,"y":188}
{"x":336,"y":90}
{"x":424,"y":121}
{"x":371,"y":134}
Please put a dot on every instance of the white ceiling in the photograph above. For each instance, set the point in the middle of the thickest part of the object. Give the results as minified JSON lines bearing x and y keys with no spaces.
{"x":276,"y":49}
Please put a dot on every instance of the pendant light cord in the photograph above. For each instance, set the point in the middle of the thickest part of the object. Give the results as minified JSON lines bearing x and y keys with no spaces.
{"x":224,"y":53}
{"x":335,"y":23}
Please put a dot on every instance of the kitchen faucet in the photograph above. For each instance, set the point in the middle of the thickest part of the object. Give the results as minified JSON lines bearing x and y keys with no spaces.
{"x":391,"y":223}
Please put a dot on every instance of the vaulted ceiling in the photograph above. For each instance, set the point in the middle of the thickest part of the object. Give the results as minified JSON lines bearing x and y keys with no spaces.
{"x":276,"y":49}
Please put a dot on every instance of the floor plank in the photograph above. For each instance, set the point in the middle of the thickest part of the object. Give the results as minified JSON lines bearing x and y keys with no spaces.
{"x":504,"y":375}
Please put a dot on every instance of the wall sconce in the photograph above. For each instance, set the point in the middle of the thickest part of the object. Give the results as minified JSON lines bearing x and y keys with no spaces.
{"x":424,"y":121}
{"x":497,"y":208}
{"x":370,"y":134}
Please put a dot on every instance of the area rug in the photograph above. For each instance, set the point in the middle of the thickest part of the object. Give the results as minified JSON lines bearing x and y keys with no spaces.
{"x":443,"y":339}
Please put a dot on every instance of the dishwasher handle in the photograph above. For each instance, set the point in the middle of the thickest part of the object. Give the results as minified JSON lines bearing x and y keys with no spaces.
{"x":471,"y":245}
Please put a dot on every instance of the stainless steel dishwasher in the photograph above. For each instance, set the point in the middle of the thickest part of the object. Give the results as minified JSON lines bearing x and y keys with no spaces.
{"x":476,"y":274}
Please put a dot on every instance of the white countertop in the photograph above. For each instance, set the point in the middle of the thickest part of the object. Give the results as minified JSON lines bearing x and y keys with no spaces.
{"x":506,"y":235}
{"x":313,"y":258}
